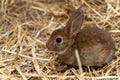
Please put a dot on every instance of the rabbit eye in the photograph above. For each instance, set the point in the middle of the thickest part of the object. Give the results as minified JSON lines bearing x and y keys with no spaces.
{"x":58,"y":40}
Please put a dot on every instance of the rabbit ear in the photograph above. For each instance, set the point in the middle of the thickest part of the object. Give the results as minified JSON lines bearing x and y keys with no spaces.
{"x":76,"y":25}
{"x":75,"y":22}
{"x":74,"y":16}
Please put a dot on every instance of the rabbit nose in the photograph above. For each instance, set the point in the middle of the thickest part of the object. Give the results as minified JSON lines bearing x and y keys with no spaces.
{"x":47,"y":45}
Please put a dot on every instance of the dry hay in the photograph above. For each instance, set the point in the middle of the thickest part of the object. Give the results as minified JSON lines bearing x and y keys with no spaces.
{"x":25,"y":26}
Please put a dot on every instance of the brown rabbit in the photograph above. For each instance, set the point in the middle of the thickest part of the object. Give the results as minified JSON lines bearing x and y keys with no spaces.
{"x":96,"y":47}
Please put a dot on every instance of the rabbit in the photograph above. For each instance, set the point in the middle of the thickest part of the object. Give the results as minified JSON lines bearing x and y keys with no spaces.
{"x":95,"y":46}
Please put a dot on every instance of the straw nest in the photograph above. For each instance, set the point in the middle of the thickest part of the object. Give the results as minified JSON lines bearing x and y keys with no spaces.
{"x":25,"y":26}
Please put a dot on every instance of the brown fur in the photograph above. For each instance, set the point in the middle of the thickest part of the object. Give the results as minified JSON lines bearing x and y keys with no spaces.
{"x":96,"y":46}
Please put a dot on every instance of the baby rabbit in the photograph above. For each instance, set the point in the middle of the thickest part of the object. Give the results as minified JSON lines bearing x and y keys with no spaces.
{"x":95,"y":46}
